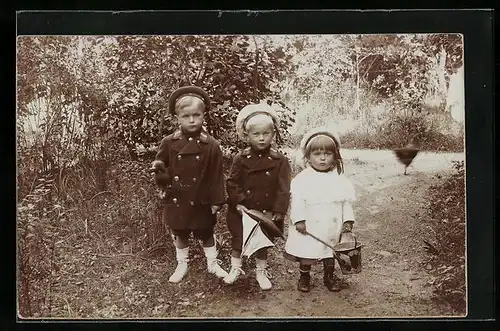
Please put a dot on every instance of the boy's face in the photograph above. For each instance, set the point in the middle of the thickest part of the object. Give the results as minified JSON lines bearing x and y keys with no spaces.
{"x":321,"y":159}
{"x":190,"y":117}
{"x":260,"y":135}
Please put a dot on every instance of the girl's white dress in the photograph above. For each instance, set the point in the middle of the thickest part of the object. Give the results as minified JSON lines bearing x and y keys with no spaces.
{"x":319,"y":198}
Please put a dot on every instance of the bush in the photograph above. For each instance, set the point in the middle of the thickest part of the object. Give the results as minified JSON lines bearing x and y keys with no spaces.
{"x":397,"y":131}
{"x":385,"y":129}
{"x":446,"y":247}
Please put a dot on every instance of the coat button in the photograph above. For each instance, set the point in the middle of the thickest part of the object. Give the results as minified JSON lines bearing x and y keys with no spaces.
{"x":266,"y":195}
{"x":249,"y":156}
{"x":264,"y":211}
{"x":198,"y":141}
{"x":197,"y":158}
{"x":191,"y":203}
{"x":260,"y":155}
{"x":248,"y":191}
{"x":190,"y":138}
{"x":268,"y":173}
{"x":174,"y":200}
{"x":194,"y":180}
{"x":270,"y":158}
{"x":179,"y":157}
{"x":176,"y":178}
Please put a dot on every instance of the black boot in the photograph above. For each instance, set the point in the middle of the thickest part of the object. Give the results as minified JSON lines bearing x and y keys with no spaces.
{"x":331,"y":281}
{"x":304,"y":284}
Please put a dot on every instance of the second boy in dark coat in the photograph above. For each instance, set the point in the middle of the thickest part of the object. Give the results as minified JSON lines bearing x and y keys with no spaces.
{"x":260,"y":180}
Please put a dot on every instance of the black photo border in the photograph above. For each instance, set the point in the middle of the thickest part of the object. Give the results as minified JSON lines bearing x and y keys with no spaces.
{"x":477,"y":29}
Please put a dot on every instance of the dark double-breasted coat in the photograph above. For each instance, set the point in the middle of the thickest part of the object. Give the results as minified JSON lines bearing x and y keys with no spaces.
{"x":258,"y":180}
{"x":195,"y":181}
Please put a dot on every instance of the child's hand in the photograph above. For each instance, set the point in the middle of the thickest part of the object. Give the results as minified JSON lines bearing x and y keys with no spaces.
{"x":160,"y":173}
{"x":215,"y":209}
{"x":347,"y":226}
{"x":301,"y":227}
{"x":158,"y":166}
{"x":277,"y":217}
{"x":241,"y":208}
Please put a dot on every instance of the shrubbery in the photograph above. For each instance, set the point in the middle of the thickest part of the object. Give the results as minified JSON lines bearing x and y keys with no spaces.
{"x":386,"y":127}
{"x":397,"y":131}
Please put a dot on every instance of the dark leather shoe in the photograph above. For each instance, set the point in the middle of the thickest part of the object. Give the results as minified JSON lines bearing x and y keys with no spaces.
{"x":331,"y":281}
{"x":304,"y":284}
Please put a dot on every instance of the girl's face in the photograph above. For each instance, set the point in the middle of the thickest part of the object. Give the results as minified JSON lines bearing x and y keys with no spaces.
{"x":260,"y":135}
{"x":321,"y":159}
{"x":190,"y":117}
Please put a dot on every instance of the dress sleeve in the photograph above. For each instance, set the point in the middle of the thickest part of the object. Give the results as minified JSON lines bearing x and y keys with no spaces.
{"x":348,"y":212}
{"x":297,"y":204}
{"x":349,"y":196}
{"x":348,"y":190}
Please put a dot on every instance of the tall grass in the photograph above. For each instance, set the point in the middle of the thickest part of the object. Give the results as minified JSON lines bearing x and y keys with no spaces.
{"x":68,"y":208}
{"x":397,"y":131}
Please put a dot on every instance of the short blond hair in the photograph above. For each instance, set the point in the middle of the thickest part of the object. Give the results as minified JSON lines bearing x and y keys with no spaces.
{"x":189,"y":100}
{"x":259,"y":119}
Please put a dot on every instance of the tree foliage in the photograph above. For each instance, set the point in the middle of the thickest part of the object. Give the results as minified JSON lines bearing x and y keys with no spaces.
{"x":143,"y":71}
{"x":369,"y":83}
{"x":120,"y":84}
{"x":394,"y":67}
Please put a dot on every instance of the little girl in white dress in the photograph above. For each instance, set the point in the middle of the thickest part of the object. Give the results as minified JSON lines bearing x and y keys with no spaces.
{"x":321,"y":198}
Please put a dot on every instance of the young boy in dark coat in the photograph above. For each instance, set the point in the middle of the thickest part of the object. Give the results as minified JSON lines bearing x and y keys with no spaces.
{"x":189,"y":169}
{"x":259,"y":179}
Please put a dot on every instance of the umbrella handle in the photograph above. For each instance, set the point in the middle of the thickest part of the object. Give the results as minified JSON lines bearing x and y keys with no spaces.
{"x":326,"y":244}
{"x":320,"y":240}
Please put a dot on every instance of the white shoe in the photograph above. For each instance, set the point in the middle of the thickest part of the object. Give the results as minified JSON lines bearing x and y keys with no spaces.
{"x":213,"y":264}
{"x":179,"y":273}
{"x":182,"y":265}
{"x":233,"y":275}
{"x":262,"y":274}
{"x":214,"y":267}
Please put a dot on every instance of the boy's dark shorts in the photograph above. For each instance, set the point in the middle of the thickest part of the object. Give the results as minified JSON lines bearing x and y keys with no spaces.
{"x":202,"y":234}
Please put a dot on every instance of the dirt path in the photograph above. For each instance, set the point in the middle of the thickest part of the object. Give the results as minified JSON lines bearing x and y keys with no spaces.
{"x":389,"y":211}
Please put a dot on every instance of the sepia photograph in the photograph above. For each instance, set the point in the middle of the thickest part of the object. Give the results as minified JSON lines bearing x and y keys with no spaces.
{"x":240,"y":176}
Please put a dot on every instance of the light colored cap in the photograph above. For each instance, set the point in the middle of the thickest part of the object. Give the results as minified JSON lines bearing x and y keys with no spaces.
{"x":251,"y":110}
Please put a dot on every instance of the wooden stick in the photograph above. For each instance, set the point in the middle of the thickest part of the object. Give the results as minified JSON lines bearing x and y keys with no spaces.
{"x":328,"y":245}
